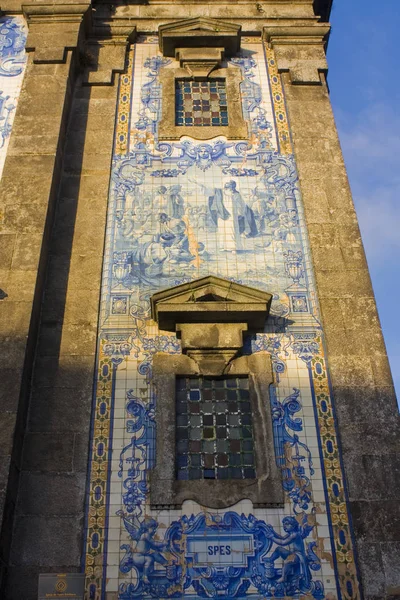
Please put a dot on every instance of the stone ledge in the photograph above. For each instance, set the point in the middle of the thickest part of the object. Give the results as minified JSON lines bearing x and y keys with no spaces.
{"x":104,"y":53}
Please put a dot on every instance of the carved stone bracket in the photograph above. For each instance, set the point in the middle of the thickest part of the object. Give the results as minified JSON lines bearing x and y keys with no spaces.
{"x":54,"y":29}
{"x":105,"y":49}
{"x":299,"y":48}
{"x":199,"y":62}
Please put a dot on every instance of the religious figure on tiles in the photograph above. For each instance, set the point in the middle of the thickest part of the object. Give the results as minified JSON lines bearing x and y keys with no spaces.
{"x":160,"y":200}
{"x":265,"y":209}
{"x":176,"y":204}
{"x":286,"y":228}
{"x":295,"y":574}
{"x":148,"y":258}
{"x":169,"y":201}
{"x":174,"y":244}
{"x":181,"y":249}
{"x":232,"y":217}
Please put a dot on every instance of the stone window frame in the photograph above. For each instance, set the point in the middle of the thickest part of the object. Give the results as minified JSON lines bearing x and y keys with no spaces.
{"x":237,"y":127}
{"x":166,"y":491}
{"x":211,"y":315}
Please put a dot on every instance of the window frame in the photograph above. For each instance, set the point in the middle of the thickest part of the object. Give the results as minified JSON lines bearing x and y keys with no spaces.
{"x":166,"y":491}
{"x":237,"y":127}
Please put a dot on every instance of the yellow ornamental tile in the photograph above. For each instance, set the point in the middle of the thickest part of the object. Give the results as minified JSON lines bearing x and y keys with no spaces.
{"x":278,"y":102}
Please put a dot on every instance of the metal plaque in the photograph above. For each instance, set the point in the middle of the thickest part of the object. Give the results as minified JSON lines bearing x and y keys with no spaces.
{"x":55,"y":586}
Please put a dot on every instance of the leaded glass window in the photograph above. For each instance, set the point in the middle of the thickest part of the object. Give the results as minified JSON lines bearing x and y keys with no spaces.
{"x":214,"y":428}
{"x":201,"y":103}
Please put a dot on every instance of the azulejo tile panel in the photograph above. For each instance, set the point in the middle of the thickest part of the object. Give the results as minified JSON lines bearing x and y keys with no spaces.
{"x":13,"y":32}
{"x":179,"y":211}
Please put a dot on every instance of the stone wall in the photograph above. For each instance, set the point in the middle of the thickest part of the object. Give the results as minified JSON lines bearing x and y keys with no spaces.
{"x":55,"y":190}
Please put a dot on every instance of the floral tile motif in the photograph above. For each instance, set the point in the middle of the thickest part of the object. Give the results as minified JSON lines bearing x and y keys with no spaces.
{"x":179,"y":211}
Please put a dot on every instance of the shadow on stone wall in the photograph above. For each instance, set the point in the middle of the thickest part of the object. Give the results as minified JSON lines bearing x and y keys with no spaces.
{"x":45,"y":495}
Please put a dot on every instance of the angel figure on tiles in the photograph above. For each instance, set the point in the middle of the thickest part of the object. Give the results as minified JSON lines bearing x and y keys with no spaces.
{"x":298,"y":560}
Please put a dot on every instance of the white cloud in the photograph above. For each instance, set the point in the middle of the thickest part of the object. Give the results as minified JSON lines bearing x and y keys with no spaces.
{"x":371,"y":146}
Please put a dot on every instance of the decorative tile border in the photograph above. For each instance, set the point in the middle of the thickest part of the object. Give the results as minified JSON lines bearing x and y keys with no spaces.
{"x":333,"y":470}
{"x":278,"y":101}
{"x":124,"y":107}
{"x":100,"y":456}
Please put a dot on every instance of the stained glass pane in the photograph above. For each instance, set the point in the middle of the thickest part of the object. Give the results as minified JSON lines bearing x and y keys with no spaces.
{"x":201,"y":103}
{"x":214,"y":436}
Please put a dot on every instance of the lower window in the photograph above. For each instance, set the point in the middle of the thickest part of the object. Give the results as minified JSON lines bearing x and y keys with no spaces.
{"x":214,"y":433}
{"x":214,"y":428}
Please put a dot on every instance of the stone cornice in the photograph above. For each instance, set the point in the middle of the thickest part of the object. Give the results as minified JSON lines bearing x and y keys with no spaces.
{"x":299,"y":48}
{"x":247,"y":11}
{"x":250,"y":15}
{"x":55,"y":12}
{"x":292,"y":33}
{"x":105,"y":47}
{"x":53,"y":29}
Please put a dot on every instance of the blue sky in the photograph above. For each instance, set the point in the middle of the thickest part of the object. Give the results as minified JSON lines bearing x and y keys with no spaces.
{"x":364,"y":83}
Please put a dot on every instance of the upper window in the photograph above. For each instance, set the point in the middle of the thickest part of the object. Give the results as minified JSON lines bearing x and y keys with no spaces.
{"x":201,"y":103}
{"x":201,"y":107}
{"x":200,"y":89}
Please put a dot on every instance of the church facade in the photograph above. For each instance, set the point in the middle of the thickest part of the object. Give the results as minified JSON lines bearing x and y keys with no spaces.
{"x":196,"y":399}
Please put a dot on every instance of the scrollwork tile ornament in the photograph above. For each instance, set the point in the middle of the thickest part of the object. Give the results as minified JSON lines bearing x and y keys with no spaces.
{"x":12,"y":47}
{"x":183,"y":557}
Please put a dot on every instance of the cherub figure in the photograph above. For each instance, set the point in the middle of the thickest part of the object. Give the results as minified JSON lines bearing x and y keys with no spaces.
{"x":285,"y":229}
{"x":146,"y":552}
{"x":291,"y":549}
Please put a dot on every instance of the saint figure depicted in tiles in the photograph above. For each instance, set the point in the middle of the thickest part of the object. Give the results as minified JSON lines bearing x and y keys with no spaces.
{"x":231,"y":216}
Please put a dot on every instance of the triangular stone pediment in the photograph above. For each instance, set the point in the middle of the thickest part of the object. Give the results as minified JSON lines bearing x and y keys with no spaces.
{"x":210,"y":299}
{"x":200,"y":32}
{"x":200,"y":24}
